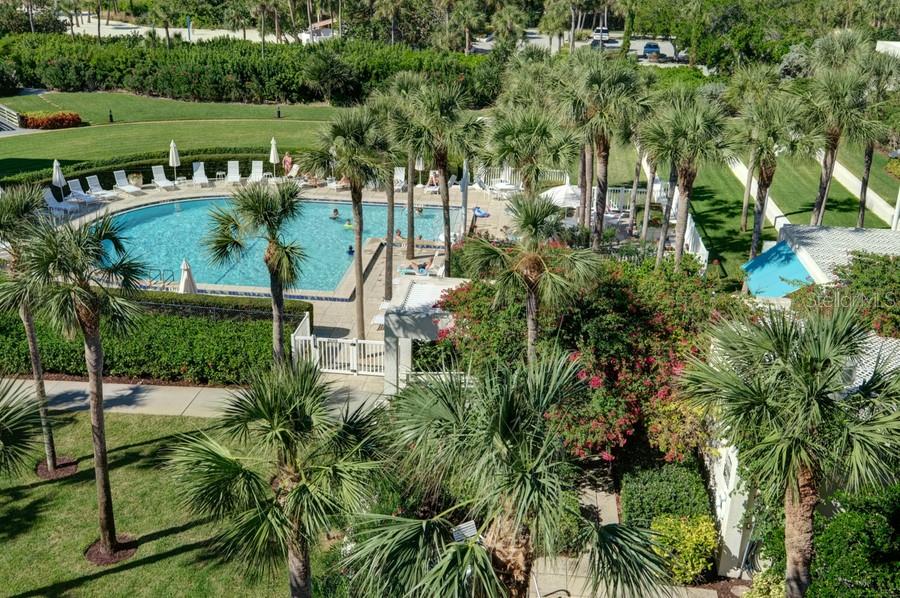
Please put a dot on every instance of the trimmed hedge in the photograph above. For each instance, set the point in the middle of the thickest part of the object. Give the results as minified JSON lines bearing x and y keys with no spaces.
{"x":689,"y":542}
{"x":49,"y":120}
{"x":669,"y":490}
{"x":197,"y":339}
{"x":342,"y":71}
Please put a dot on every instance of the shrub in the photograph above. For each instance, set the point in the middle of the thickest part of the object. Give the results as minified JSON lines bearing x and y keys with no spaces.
{"x":49,"y":120}
{"x":672,"y":489}
{"x":767,"y":584}
{"x":9,"y":82}
{"x":893,"y":167}
{"x":433,"y":356}
{"x":689,"y":543}
{"x":221,"y":306}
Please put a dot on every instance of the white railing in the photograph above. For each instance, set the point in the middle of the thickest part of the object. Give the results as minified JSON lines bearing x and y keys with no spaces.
{"x":491,"y":175}
{"x":693,"y":242}
{"x":9,"y":117}
{"x":338,"y":355}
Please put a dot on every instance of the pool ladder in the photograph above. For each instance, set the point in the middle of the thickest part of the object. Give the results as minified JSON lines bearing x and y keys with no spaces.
{"x":161,"y":279}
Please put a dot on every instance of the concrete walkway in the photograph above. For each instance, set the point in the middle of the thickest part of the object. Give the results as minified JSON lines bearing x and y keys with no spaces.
{"x":773,"y":212}
{"x":193,"y":401}
{"x":874,"y":202}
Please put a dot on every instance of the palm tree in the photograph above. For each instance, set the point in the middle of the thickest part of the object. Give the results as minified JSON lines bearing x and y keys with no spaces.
{"x":304,"y":468}
{"x":20,"y":426}
{"x":883,"y":73}
{"x":258,"y":212}
{"x":530,"y":140}
{"x":772,"y":127}
{"x":690,"y":130}
{"x":604,"y":99}
{"x":237,"y":17}
{"x":468,"y":16}
{"x":549,"y":275}
{"x":554,"y":21}
{"x":69,"y":267}
{"x":509,"y":23}
{"x":440,"y":130}
{"x":354,"y":146}
{"x":628,"y":10}
{"x":387,"y":9}
{"x":19,"y":206}
{"x":165,"y":12}
{"x":777,"y":386}
{"x":486,"y":438}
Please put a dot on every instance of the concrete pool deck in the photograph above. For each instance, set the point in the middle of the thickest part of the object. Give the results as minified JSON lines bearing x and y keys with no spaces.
{"x":334,"y":312}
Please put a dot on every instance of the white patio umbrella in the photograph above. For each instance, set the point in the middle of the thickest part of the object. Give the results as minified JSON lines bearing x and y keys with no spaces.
{"x":564,"y":196}
{"x":174,"y":159}
{"x":186,"y":284}
{"x":58,"y":180}
{"x":273,"y":155}
{"x":420,"y":166}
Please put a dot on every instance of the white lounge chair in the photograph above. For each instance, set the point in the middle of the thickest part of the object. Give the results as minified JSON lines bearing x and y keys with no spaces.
{"x":200,"y":177}
{"x":59,"y":207}
{"x":76,"y":192}
{"x":122,"y":183}
{"x":256,"y":172}
{"x":399,"y":178}
{"x":234,"y":173}
{"x":337,"y":185}
{"x":160,"y":179}
{"x":292,"y":173}
{"x":97,"y":189}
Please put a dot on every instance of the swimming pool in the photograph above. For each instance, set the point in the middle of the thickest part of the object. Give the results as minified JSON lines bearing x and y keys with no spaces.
{"x":162,"y":235}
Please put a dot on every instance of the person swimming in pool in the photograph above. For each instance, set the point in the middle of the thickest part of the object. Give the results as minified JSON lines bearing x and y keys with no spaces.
{"x":335,"y":214}
{"x":348,"y":224}
{"x":419,"y":210}
{"x":350,"y":250}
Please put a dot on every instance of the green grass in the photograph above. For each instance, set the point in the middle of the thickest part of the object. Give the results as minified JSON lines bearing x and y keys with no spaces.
{"x":94,"y":108}
{"x":716,"y":206}
{"x":48,"y":525}
{"x":880,"y":180}
{"x":794,"y":189}
{"x":32,"y":152}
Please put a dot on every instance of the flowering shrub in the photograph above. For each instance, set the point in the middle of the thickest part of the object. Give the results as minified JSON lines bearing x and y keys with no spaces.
{"x":689,"y":543}
{"x":49,"y":120}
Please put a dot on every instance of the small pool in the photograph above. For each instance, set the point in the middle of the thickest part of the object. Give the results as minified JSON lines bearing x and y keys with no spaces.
{"x":776,"y":272}
{"x":162,"y":235}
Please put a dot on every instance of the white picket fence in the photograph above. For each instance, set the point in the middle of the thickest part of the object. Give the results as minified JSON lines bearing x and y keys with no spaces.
{"x":338,"y":355}
{"x":495,"y":174}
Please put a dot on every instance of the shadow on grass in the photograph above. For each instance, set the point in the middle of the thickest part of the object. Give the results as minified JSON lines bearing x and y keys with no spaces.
{"x":18,"y":519}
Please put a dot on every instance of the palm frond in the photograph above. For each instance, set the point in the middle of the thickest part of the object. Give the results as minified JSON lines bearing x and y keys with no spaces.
{"x":20,"y":426}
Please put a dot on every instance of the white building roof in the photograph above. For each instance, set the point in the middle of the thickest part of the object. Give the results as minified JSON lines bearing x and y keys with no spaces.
{"x":822,"y":249}
{"x":878,"y":350}
{"x":888,"y":47}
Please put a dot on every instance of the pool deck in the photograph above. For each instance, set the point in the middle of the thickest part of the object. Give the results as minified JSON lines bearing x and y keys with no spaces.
{"x":334,"y":314}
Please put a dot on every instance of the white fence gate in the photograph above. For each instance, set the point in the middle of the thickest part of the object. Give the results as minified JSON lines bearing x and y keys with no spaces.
{"x":338,"y":355}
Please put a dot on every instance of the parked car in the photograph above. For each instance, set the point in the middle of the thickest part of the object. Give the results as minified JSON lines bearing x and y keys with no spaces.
{"x":651,"y":48}
{"x":601,"y":34}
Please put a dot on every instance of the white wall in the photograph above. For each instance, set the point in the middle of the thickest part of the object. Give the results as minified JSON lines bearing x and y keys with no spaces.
{"x":730,"y":503}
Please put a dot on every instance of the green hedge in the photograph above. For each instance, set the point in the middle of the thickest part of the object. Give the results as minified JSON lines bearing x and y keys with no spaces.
{"x":197,"y":339}
{"x":342,"y":71}
{"x":669,"y":490}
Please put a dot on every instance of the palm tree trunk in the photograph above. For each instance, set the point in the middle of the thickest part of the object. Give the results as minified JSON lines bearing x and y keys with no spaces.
{"x":626,"y":34}
{"x":766,"y":174}
{"x":31,"y":16}
{"x":40,"y":393}
{"x":443,"y":173}
{"x":277,"y":292}
{"x":824,"y":181}
{"x":600,"y":210}
{"x":685,"y":185}
{"x":410,"y":207}
{"x":648,"y":200}
{"x":99,"y":13}
{"x":93,"y":357}
{"x":512,"y":553}
{"x":168,"y":39}
{"x":531,"y":320}
{"x":667,"y":214}
{"x":864,"y":187}
{"x":582,"y":182}
{"x":749,"y":183}
{"x":389,"y":242}
{"x":799,"y":507}
{"x":299,"y":571}
{"x":588,"y":187}
{"x":632,"y":207}
{"x":572,"y":29}
{"x":467,"y":41}
{"x":356,"y":197}
{"x":393,"y":27}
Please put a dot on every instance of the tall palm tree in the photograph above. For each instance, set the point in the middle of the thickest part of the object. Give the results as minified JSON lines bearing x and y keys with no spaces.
{"x":509,"y":23}
{"x":20,"y":426}
{"x":603,"y":99}
{"x":771,"y":127}
{"x":259,"y":212}
{"x":883,"y":73}
{"x":469,"y":17}
{"x":777,"y":387}
{"x":486,"y":438}
{"x":19,"y":206}
{"x":440,"y":130}
{"x":628,"y":10}
{"x":530,"y":140}
{"x":387,"y":9}
{"x":549,"y":275}
{"x":690,"y":131}
{"x":70,"y":266}
{"x":237,"y":17}
{"x":304,"y":469}
{"x":355,"y":147}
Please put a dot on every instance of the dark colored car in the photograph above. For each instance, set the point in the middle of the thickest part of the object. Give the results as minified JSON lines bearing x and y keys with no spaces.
{"x":651,"y":48}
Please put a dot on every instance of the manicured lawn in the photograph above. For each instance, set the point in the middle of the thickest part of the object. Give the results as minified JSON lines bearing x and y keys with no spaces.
{"x":716,"y":206}
{"x":880,"y":180}
{"x":794,"y":189}
{"x":94,"y":108}
{"x":31,"y":152}
{"x":46,"y":526}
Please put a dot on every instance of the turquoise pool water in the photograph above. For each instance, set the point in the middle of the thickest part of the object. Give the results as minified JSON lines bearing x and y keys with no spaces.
{"x":163,"y":235}
{"x":776,"y":272}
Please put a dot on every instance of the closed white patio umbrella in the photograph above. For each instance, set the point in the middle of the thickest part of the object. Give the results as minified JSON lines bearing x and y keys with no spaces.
{"x":58,"y":180}
{"x":273,"y":155}
{"x":186,"y":284}
{"x":420,"y":166}
{"x":174,"y":159}
{"x":564,"y":196}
